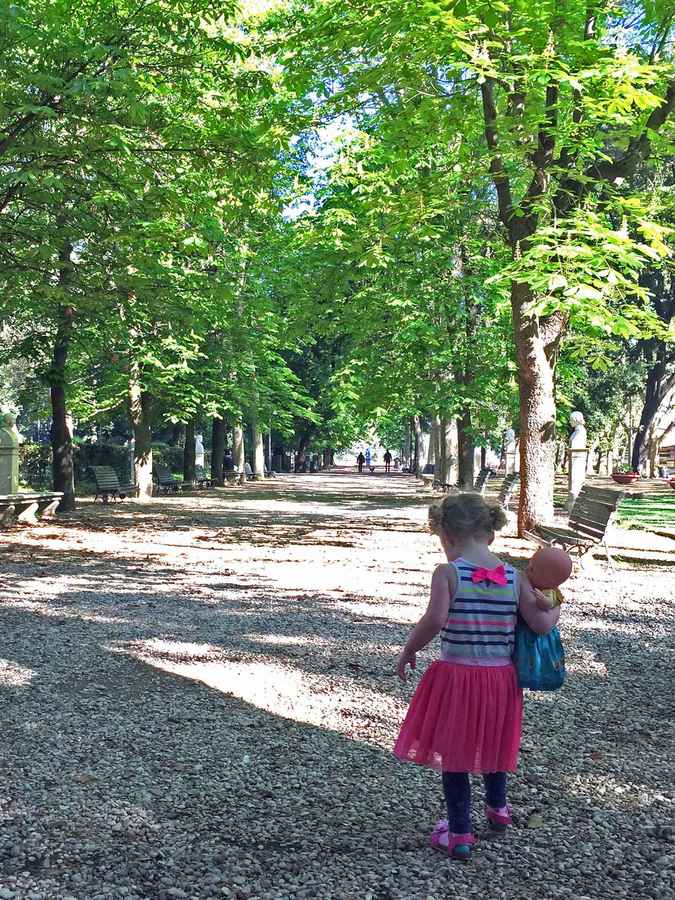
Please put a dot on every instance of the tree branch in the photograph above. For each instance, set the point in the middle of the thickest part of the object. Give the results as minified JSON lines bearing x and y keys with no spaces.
{"x":499,"y":176}
{"x":542,"y":158}
{"x":572,"y":190}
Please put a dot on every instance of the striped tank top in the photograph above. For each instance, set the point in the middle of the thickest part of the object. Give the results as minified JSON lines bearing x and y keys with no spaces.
{"x":482,"y":619}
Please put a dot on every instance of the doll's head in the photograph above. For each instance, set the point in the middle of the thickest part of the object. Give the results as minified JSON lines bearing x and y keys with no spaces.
{"x":548,"y":568}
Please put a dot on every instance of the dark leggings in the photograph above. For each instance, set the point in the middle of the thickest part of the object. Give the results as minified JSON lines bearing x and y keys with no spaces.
{"x":457,"y":790}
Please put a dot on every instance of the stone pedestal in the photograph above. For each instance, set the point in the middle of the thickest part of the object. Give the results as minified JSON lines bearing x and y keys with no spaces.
{"x":9,"y":456}
{"x":577,"y":460}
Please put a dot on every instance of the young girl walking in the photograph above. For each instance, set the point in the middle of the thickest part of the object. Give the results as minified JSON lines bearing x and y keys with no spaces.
{"x":466,"y":714}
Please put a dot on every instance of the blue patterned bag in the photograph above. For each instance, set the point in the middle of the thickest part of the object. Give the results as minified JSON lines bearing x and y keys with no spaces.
{"x":539,"y":658}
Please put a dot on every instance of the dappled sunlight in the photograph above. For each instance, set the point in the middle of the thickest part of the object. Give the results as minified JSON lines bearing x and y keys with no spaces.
{"x":585,"y":661}
{"x":14,"y":675}
{"x":609,"y":791}
{"x":270,"y":686}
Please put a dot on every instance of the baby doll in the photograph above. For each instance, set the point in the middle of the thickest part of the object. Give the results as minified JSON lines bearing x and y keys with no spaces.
{"x":548,"y":568}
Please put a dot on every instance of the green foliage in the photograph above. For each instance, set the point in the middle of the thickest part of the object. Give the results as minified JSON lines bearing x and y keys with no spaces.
{"x":170,"y":209}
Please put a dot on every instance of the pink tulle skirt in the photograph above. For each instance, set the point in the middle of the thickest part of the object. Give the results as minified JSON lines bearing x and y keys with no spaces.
{"x":464,"y":719}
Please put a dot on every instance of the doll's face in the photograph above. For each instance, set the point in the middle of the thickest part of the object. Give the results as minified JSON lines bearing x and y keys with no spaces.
{"x":537,"y":574}
{"x":548,"y":568}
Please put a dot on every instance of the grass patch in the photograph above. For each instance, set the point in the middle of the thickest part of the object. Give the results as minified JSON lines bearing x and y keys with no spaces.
{"x":647,"y":512}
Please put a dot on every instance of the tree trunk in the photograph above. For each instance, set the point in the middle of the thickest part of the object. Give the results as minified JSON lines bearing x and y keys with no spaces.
{"x":176,"y":434}
{"x":238,"y":451}
{"x":656,"y":390}
{"x":417,"y":451}
{"x":140,"y":413}
{"x":61,"y":436}
{"x":432,"y":452}
{"x":217,"y":450}
{"x":301,"y":454}
{"x":466,"y":451}
{"x":536,"y":346}
{"x":189,"y":453}
{"x":441,"y":471}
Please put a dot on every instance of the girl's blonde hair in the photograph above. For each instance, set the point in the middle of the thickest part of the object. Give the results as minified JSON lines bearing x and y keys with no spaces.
{"x":465,"y":515}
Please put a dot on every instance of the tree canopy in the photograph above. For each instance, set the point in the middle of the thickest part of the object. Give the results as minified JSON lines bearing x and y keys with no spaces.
{"x":324,"y":217}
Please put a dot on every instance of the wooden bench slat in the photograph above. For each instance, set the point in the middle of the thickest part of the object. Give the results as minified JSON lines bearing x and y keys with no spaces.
{"x":591,"y":519}
{"x":599,"y":517}
{"x":566,"y":535}
{"x":586,"y":506}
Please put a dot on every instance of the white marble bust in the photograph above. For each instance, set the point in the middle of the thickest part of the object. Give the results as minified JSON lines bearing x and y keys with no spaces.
{"x":578,"y":436}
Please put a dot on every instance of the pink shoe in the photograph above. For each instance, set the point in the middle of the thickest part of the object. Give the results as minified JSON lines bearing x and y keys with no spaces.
{"x":458,"y":846}
{"x":499,"y":818}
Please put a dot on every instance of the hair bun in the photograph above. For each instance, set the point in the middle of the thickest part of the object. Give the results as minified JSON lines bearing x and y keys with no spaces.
{"x":465,"y":514}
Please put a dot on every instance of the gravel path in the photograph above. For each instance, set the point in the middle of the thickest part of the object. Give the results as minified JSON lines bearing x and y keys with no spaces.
{"x":198,"y":702}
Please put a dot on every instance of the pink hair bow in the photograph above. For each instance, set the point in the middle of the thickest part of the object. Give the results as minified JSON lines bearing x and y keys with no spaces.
{"x":497,"y":576}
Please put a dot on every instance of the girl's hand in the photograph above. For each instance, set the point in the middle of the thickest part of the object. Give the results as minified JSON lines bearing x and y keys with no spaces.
{"x":543,"y":602}
{"x":406,"y":658}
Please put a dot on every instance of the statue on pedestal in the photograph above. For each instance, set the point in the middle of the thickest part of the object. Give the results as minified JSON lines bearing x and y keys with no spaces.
{"x":510,"y":451}
{"x":199,"y":450}
{"x":578,"y":457}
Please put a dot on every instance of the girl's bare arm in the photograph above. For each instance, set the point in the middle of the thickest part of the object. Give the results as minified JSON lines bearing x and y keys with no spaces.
{"x":443,"y":585}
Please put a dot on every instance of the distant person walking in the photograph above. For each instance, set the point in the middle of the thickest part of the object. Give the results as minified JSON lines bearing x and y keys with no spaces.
{"x":360,"y":459}
{"x":387,"y":461}
{"x":368,"y":457}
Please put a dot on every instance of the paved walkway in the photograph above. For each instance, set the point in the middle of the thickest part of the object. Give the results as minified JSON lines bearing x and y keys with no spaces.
{"x":198,"y":701}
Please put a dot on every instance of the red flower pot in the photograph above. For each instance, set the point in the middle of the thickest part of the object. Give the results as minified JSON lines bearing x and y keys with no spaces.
{"x":625,"y":477}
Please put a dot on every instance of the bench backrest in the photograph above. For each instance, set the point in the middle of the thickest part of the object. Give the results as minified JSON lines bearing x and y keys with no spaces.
{"x":593,"y":509}
{"x":508,"y":488}
{"x":105,"y":478}
{"x":163,"y":475}
{"x":481,"y":481}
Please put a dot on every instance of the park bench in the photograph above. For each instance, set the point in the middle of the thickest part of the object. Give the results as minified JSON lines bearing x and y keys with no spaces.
{"x":509,"y":485}
{"x":24,"y":507}
{"x":108,"y":486}
{"x":201,"y":478}
{"x":588,"y":522}
{"x":165,"y":481}
{"x":484,"y":476}
{"x":427,"y":475}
